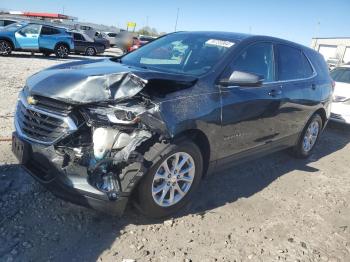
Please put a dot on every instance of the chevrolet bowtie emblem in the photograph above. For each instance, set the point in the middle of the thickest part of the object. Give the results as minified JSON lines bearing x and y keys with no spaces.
{"x":31,"y":100}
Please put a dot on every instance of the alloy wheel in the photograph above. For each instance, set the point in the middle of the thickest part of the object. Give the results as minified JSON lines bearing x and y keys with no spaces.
{"x":173,"y":179}
{"x":62,"y":51}
{"x":311,"y":135}
{"x":90,"y":51}
{"x":5,"y":48}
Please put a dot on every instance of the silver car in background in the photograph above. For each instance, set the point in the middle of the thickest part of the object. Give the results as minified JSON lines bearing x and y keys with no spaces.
{"x":341,"y":96}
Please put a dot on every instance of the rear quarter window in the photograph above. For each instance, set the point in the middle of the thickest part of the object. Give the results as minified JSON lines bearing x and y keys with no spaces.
{"x":292,"y":63}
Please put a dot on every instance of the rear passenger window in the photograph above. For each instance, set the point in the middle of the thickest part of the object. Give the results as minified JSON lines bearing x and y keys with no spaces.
{"x":257,"y":59}
{"x":292,"y":64}
{"x":49,"y":31}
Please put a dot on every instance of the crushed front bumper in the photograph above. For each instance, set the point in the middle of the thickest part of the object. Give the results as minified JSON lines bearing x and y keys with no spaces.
{"x":69,"y":183}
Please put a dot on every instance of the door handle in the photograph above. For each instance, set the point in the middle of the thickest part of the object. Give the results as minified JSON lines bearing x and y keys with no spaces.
{"x":275,"y":92}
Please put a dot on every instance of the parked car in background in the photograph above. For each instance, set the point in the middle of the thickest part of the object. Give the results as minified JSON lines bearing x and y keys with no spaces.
{"x":144,"y":39}
{"x":111,"y":37}
{"x":135,"y":44}
{"x":6,"y":22}
{"x":83,"y":44}
{"x":35,"y":37}
{"x":341,"y":96}
{"x":151,"y":123}
{"x":100,"y":38}
{"x":140,"y":41}
{"x":334,"y":62}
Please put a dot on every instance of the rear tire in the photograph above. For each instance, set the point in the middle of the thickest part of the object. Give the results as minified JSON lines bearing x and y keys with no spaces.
{"x":61,"y":51}
{"x":177,"y":186}
{"x":90,"y":51}
{"x":5,"y":47}
{"x":309,"y":137}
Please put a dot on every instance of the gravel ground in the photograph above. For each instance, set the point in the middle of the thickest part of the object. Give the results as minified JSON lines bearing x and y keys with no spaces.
{"x":275,"y":209}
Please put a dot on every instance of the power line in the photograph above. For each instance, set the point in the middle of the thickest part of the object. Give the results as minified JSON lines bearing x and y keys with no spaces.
{"x":177,"y":17}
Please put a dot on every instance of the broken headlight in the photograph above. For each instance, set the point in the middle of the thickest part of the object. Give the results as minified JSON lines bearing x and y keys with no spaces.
{"x":110,"y":115}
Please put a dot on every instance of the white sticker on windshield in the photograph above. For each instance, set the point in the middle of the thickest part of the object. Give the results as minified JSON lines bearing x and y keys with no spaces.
{"x":218,"y":42}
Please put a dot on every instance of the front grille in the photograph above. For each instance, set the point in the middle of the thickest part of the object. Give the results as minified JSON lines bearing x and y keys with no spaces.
{"x":41,"y":126}
{"x":52,"y":105}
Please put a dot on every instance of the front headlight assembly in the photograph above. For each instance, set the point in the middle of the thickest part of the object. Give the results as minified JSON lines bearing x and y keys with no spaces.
{"x":110,"y":115}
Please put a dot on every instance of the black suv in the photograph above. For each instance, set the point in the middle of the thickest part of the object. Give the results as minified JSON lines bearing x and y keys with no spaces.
{"x":150,"y":124}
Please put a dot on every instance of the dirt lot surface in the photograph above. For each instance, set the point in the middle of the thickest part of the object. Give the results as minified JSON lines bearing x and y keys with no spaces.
{"x":273,"y":209}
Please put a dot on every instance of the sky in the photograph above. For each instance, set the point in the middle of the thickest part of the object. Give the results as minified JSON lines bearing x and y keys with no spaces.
{"x":295,"y":20}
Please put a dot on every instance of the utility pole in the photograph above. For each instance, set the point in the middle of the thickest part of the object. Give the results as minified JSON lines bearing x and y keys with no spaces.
{"x":62,"y":10}
{"x":177,"y":17}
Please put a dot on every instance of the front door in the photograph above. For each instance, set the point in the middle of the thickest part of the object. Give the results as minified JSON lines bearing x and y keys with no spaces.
{"x":28,"y":37}
{"x":250,"y":115}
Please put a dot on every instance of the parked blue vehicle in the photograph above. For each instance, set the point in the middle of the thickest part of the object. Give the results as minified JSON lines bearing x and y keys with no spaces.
{"x":35,"y":37}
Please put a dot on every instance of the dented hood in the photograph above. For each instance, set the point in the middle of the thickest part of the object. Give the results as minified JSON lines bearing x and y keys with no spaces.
{"x":101,"y":80}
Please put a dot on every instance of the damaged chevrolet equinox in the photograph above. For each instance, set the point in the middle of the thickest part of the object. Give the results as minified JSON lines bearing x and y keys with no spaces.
{"x":149,"y":125}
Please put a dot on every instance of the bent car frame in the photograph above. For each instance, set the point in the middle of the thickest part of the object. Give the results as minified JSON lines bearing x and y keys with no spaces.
{"x":150,"y":124}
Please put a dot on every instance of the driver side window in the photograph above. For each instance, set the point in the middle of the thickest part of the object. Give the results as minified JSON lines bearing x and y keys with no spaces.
{"x":256,"y":59}
{"x":31,"y":29}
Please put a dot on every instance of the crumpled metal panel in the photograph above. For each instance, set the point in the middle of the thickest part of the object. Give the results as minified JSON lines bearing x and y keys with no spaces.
{"x":98,"y":81}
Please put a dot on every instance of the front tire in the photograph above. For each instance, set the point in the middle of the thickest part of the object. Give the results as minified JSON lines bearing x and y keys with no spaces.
{"x":309,"y":137}
{"x":171,"y":180}
{"x":61,"y":51}
{"x":5,"y":47}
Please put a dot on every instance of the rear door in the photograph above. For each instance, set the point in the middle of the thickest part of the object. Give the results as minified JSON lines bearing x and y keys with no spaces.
{"x":250,"y":114}
{"x":48,"y":37}
{"x":28,"y":37}
{"x":301,"y":91}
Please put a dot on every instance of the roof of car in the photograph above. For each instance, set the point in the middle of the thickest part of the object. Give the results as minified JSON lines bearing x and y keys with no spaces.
{"x":237,"y":37}
{"x":228,"y":35}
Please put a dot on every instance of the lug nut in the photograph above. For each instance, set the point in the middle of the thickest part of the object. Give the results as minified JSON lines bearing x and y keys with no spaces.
{"x":169,"y":176}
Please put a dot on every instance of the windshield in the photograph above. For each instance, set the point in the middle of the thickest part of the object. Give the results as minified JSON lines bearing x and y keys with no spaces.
{"x":186,"y":53}
{"x":341,"y":75}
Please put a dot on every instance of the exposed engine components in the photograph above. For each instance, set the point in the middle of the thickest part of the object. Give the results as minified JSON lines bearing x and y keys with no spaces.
{"x":103,"y":140}
{"x":113,"y":148}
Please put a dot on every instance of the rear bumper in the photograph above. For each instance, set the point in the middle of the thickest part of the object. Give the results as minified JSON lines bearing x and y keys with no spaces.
{"x":69,"y":183}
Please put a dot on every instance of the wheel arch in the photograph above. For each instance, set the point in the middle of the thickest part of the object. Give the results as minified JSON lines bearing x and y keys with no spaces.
{"x":9,"y":40}
{"x":198,"y":137}
{"x":62,"y":43}
{"x":90,"y":47}
{"x":323,"y":115}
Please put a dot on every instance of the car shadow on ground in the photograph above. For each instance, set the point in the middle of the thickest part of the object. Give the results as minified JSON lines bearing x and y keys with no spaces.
{"x":63,"y":231}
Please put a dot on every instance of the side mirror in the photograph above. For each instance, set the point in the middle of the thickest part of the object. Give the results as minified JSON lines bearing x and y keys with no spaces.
{"x":239,"y":78}
{"x":22,"y":33}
